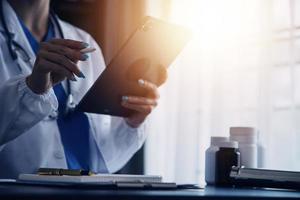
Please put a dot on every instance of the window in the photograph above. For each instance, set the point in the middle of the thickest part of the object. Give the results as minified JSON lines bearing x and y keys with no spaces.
{"x":242,"y":69}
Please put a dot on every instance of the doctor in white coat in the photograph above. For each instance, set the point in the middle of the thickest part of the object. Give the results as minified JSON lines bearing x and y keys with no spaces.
{"x":30,"y":132}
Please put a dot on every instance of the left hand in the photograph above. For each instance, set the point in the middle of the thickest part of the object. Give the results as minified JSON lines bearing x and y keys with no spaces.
{"x":142,"y":106}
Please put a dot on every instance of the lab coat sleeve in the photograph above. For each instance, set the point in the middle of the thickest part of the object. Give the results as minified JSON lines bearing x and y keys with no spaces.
{"x":116,"y":140}
{"x":21,"y":109}
{"x":126,"y":141}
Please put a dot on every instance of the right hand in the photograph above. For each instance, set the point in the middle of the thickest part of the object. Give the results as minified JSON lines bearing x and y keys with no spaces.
{"x":56,"y":60}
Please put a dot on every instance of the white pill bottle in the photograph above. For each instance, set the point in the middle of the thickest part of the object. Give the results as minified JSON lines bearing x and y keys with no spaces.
{"x":210,"y":158}
{"x":247,"y":139}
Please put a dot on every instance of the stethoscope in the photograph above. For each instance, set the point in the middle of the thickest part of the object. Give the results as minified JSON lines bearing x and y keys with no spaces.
{"x":70,"y":104}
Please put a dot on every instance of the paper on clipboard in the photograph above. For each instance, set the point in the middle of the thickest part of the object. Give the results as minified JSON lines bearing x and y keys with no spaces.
{"x":104,"y":178}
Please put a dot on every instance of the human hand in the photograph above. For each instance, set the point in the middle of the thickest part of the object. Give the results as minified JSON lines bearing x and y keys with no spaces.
{"x":142,"y":106}
{"x":56,"y":60}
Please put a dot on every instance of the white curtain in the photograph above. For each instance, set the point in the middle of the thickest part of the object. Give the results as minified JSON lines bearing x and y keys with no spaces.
{"x":241,"y":69}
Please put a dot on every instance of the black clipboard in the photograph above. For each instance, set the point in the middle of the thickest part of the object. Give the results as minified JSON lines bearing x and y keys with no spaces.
{"x":147,"y":54}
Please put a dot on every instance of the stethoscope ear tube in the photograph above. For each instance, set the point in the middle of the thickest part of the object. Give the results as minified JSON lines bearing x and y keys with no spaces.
{"x":70,"y":104}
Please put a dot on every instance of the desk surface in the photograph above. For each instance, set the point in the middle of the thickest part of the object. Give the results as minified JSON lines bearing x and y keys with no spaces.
{"x":10,"y":191}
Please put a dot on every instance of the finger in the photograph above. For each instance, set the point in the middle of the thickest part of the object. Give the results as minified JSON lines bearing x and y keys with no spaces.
{"x":139,"y":100}
{"x":53,"y":67}
{"x":150,"y":87}
{"x":143,"y":109}
{"x":73,"y":55}
{"x":70,"y":43}
{"x":88,"y":50}
{"x":62,"y":61}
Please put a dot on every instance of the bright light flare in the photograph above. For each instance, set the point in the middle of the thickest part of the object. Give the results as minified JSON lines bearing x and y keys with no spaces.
{"x":216,"y":22}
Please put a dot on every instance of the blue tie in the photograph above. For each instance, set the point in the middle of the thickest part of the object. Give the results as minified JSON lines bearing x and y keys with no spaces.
{"x":74,"y":128}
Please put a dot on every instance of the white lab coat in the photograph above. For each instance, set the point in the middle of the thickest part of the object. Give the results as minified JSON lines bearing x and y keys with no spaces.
{"x":29,"y":139}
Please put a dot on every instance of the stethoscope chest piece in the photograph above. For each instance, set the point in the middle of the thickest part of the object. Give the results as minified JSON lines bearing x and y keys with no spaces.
{"x":69,"y":108}
{"x":70,"y":105}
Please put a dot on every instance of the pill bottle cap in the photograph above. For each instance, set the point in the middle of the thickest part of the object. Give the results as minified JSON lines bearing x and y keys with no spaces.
{"x":229,"y":144}
{"x":216,"y":140}
{"x":243,"y":134}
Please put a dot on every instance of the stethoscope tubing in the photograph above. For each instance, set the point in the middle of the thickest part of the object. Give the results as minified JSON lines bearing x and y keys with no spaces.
{"x":10,"y":43}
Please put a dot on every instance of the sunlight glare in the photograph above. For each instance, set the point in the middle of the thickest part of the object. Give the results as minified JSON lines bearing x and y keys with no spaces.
{"x":215,"y":21}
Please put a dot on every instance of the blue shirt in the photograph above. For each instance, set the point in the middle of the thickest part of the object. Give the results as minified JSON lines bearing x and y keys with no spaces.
{"x":74,"y":128}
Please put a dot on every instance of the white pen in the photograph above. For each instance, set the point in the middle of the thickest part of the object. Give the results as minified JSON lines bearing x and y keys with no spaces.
{"x":88,"y":50}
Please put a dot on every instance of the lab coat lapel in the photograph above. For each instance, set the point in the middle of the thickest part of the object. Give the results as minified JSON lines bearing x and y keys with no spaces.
{"x":15,"y":29}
